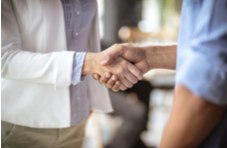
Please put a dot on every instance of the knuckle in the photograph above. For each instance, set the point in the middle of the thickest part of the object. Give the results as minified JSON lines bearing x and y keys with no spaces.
{"x":119,"y":46}
{"x":102,"y":81}
{"x":109,"y":84}
{"x":126,"y":44}
{"x":125,"y":63}
{"x":116,"y":45}
{"x":120,"y":71}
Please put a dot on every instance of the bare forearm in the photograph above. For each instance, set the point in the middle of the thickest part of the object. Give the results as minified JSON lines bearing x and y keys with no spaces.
{"x":191,"y":120}
{"x":161,"y":56}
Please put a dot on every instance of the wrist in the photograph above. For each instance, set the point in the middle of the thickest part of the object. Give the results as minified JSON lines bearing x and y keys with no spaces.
{"x":92,"y":63}
{"x":88,"y":66}
{"x":161,"y":57}
{"x":148,"y":53}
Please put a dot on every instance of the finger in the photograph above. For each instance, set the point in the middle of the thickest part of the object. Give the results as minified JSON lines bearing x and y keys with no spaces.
{"x":123,"y":87}
{"x":116,"y":86}
{"x":143,"y":66}
{"x":135,"y":71}
{"x":105,"y":77}
{"x":125,"y":80}
{"x":130,"y":77}
{"x":108,"y":59}
{"x":96,"y":76}
{"x":111,"y":81}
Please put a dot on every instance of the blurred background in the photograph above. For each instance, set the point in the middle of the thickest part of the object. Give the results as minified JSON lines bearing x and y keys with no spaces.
{"x":140,"y":112}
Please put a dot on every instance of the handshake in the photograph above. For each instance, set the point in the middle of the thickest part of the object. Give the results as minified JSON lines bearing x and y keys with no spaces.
{"x":119,"y":67}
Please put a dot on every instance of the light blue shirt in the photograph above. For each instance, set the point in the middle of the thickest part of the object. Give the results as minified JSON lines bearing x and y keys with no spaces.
{"x":202,"y":57}
{"x":79,"y":15}
{"x":77,"y":67}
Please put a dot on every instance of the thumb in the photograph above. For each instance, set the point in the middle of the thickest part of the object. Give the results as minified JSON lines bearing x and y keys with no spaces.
{"x":107,"y":60}
{"x":111,"y":54}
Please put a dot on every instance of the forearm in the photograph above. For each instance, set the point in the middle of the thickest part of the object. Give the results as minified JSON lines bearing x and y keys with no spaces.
{"x":191,"y":120}
{"x":161,"y":56}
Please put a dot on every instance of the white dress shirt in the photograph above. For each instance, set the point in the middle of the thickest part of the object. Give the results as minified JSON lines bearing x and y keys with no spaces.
{"x":37,"y":66}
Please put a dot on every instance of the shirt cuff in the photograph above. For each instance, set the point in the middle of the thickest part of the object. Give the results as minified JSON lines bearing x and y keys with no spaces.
{"x":204,"y":77}
{"x":78,"y":62}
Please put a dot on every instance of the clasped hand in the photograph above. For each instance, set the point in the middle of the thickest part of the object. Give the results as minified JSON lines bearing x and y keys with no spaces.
{"x":119,"y":67}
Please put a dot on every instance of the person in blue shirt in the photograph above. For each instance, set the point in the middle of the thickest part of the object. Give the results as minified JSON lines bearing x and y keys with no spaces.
{"x":198,"y":117}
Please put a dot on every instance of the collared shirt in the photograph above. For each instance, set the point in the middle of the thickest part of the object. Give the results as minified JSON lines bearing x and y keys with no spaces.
{"x":202,"y":57}
{"x":37,"y":68}
{"x":79,"y":15}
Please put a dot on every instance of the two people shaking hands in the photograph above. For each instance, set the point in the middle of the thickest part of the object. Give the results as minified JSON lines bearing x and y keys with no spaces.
{"x":122,"y":65}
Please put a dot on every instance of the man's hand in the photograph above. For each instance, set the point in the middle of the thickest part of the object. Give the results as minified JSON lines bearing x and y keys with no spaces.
{"x":135,"y":55}
{"x":110,"y":81}
{"x":144,"y":58}
{"x":132,"y":53}
{"x":124,"y":71}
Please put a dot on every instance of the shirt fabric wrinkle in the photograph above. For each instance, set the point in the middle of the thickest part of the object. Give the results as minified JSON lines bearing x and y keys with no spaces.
{"x":201,"y":60}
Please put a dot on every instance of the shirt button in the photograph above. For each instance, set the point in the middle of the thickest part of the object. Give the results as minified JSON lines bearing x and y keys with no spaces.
{"x":78,"y":12}
{"x":75,"y":34}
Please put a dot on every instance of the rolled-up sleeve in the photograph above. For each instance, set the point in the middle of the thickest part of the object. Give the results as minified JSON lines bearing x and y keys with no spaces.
{"x":204,"y":69}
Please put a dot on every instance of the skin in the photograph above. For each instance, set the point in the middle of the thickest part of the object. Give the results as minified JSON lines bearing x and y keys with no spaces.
{"x":123,"y":70}
{"x":192,"y":118}
{"x":144,"y":58}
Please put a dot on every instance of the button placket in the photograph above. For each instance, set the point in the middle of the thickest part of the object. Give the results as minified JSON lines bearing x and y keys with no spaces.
{"x":75,"y":34}
{"x":77,"y":17}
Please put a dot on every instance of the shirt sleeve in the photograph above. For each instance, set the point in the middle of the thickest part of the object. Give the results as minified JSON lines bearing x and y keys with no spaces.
{"x":204,"y":71}
{"x":78,"y":62}
{"x":28,"y":65}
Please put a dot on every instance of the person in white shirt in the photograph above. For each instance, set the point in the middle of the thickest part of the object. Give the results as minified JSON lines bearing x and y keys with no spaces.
{"x":47,"y":50}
